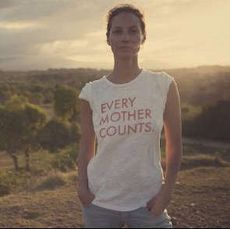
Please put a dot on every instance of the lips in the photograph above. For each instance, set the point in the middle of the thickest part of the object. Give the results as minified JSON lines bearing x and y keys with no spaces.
{"x":125,"y":48}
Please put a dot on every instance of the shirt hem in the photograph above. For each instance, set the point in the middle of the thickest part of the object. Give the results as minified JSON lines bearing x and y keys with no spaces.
{"x":114,"y":208}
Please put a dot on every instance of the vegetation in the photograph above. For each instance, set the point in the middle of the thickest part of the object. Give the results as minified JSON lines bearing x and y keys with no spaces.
{"x":20,"y":123}
{"x":57,"y":134}
{"x":207,"y":122}
{"x":46,"y":197}
{"x":50,"y":183}
{"x":204,"y":95}
{"x":65,"y":103}
{"x":39,"y":143}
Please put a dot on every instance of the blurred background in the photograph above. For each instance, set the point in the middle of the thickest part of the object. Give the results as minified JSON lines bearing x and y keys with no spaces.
{"x":71,"y":33}
{"x":49,"y":49}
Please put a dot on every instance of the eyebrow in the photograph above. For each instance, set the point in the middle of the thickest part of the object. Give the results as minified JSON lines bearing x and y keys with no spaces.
{"x":119,"y":27}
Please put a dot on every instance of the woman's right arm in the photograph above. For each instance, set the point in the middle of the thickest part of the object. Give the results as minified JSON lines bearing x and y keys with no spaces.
{"x":87,"y":151}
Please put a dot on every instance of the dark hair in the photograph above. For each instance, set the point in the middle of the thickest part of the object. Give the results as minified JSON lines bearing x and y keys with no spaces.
{"x":128,"y":8}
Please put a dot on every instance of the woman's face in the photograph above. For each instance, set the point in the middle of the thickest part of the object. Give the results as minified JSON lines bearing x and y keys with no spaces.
{"x":125,"y":36}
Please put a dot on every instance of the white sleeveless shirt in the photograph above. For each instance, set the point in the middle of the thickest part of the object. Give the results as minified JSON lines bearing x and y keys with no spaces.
{"x":126,"y":171}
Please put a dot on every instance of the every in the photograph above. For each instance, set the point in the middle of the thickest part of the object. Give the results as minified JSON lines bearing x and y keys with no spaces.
{"x":117,"y":104}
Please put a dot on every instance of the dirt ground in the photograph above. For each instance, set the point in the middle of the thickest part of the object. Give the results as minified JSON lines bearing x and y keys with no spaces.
{"x":201,"y":199}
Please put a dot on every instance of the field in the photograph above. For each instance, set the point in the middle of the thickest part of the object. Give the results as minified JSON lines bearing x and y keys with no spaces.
{"x":47,"y":197}
{"x":201,"y":197}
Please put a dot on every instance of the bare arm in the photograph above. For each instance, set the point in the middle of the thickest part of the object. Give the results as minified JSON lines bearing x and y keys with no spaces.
{"x":173,"y":136}
{"x":87,"y":151}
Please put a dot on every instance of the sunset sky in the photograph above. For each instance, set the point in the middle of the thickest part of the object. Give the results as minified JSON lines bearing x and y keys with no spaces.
{"x":42,"y":34}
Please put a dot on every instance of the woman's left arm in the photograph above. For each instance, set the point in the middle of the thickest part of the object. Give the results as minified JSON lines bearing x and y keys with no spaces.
{"x":173,"y":137}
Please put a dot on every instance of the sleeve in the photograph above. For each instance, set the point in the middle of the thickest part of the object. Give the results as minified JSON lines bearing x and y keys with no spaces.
{"x":167,"y":80}
{"x":86,"y":93}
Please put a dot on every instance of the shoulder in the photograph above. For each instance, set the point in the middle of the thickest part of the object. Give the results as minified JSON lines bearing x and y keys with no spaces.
{"x":161,"y":75}
{"x":160,"y":78}
{"x":92,"y":89}
{"x":96,"y":83}
{"x":158,"y":75}
{"x":166,"y":76}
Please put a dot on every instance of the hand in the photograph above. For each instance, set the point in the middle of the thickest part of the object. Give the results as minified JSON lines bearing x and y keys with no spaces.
{"x":159,"y":203}
{"x":86,"y":196}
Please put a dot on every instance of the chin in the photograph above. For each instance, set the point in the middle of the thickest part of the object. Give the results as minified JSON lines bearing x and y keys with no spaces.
{"x":125,"y":55}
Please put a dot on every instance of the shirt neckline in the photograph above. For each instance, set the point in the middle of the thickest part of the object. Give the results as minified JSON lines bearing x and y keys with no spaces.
{"x":123,"y":84}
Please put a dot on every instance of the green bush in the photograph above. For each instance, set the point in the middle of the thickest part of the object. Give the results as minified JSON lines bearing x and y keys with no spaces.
{"x":51,"y":183}
{"x":58,"y":134}
{"x":63,"y":162}
{"x":214,"y":121}
{"x":66,"y":159}
{"x":65,"y":101}
{"x":211,"y":123}
{"x":55,"y":135}
{"x":11,"y":181}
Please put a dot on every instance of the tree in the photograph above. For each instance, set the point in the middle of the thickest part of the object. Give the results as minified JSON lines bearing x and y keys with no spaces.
{"x":34,"y":118}
{"x":65,"y":102}
{"x":20,"y":122}
{"x":214,"y":121}
{"x":57,"y":134}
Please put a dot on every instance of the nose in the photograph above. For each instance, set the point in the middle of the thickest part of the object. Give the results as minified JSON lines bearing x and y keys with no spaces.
{"x":125,"y":37}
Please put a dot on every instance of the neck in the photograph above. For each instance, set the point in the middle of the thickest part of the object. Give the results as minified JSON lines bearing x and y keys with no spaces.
{"x":124,"y":70}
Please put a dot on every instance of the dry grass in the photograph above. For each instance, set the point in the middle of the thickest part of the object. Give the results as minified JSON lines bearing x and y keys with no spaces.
{"x":57,"y":208}
{"x":200,"y":199}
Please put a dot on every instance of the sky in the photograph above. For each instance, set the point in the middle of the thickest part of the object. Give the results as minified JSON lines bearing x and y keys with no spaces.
{"x":42,"y":34}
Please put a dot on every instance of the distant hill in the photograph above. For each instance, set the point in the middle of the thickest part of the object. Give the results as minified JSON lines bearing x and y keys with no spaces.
{"x":199,"y":86}
{"x":204,"y":84}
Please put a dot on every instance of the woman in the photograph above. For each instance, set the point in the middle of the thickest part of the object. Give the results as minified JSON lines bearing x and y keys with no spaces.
{"x":125,"y":111}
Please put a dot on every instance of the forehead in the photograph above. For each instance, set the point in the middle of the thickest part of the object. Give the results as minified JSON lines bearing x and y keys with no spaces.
{"x":125,"y":19}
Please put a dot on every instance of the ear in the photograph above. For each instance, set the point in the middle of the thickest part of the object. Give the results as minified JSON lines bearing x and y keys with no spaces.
{"x":142,"y":39}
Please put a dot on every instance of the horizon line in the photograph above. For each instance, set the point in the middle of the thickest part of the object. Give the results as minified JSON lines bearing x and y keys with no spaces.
{"x":109,"y":69}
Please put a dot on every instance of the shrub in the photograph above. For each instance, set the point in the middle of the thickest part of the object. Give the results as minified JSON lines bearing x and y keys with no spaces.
{"x":213,"y":122}
{"x":51,"y":183}
{"x":66,"y":159}
{"x":10,"y":181}
{"x":55,"y":135}
{"x":65,"y":100}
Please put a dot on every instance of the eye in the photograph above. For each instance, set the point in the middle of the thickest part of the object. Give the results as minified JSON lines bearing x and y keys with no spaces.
{"x":117,"y":31}
{"x":133,"y":31}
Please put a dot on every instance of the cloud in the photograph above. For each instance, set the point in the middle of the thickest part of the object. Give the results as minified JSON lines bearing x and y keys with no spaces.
{"x":17,"y":25}
{"x":72,"y":33}
{"x":32,"y":9}
{"x":53,"y":28}
{"x":62,"y":47}
{"x":4,"y":4}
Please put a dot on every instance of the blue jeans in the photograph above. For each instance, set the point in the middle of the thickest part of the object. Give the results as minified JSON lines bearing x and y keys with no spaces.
{"x":98,"y":217}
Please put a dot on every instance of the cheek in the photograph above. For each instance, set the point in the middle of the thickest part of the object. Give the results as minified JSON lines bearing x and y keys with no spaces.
{"x":113,"y":41}
{"x":138,"y":39}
